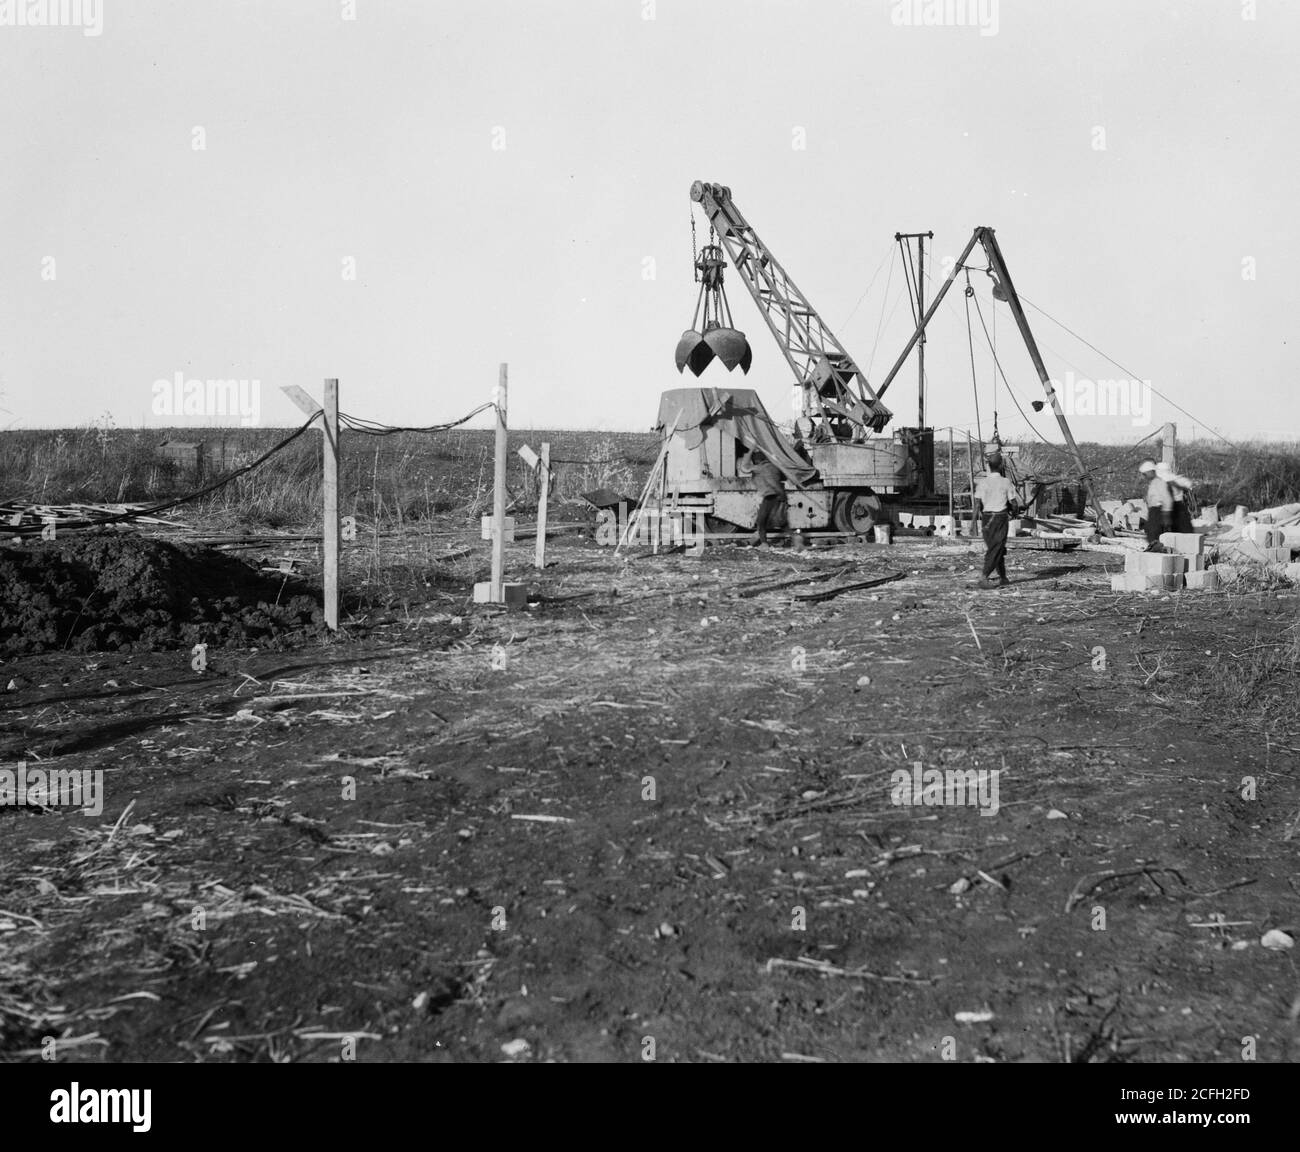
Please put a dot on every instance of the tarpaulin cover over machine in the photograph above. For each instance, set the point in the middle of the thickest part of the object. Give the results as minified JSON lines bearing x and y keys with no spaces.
{"x":737,"y":411}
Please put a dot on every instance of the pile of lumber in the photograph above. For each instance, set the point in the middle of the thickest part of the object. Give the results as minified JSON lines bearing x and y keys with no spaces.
{"x":26,"y":518}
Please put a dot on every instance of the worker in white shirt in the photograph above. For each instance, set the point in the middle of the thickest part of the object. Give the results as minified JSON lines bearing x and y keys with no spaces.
{"x":1160,"y":504}
{"x":1180,"y":517}
{"x":996,"y":498}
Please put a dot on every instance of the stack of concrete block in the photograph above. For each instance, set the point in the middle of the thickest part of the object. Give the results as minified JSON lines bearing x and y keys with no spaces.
{"x":1191,"y":546}
{"x":1250,"y":552}
{"x":1151,"y":572}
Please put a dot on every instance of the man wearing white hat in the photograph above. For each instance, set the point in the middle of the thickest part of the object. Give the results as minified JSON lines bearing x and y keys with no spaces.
{"x":1160,"y":504}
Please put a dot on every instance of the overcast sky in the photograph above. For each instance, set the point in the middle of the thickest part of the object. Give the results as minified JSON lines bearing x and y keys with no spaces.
{"x":510,"y":182}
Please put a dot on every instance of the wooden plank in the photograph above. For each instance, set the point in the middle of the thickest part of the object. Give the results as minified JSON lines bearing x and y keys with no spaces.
{"x":802,"y":578}
{"x":301,"y":398}
{"x":809,"y":597}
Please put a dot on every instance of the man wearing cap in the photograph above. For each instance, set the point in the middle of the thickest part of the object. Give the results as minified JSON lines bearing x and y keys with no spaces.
{"x":1160,"y":504}
{"x":996,"y":498}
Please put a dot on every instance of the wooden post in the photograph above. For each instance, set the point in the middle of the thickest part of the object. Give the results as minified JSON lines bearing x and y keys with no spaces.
{"x":329,"y":487}
{"x":330,"y":527}
{"x":950,"y":481}
{"x":499,"y":493}
{"x":543,"y":492}
{"x":1168,"y":441}
{"x":970,"y":466}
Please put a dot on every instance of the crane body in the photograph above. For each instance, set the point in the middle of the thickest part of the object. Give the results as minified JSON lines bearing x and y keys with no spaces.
{"x":847,"y":468}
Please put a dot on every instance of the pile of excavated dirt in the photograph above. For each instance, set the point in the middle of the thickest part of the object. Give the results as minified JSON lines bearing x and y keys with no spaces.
{"x":107,"y":590}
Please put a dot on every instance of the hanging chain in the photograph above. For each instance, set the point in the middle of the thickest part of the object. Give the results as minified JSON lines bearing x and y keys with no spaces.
{"x":695,"y":256}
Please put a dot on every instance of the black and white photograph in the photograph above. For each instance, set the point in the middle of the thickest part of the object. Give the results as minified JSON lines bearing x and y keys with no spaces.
{"x":650,"y":531}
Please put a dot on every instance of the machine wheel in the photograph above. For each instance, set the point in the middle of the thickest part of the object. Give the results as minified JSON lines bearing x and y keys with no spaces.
{"x":857,"y":510}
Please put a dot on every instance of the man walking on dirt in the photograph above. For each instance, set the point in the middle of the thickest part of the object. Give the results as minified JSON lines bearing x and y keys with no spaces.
{"x":1160,"y":505}
{"x":772,"y":489}
{"x":996,"y":498}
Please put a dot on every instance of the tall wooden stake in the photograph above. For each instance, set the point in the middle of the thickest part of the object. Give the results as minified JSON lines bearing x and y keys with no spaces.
{"x":543,"y":493}
{"x":970,"y":465}
{"x":499,"y":493}
{"x":330,"y":528}
{"x":950,"y":481}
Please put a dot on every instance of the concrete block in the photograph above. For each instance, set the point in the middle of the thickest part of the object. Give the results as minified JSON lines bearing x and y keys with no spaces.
{"x":1183,"y":543}
{"x":1155,"y":563}
{"x":1248,"y":552}
{"x":1205,"y":581}
{"x":1128,"y":582}
{"x":1195,"y":564}
{"x":922,"y":521}
{"x":513,"y":595}
{"x":1164,"y":583}
{"x":1292,"y":571}
{"x":1226,"y":573}
{"x":485,"y":531}
{"x":1264,"y":535}
{"x":884,"y":533}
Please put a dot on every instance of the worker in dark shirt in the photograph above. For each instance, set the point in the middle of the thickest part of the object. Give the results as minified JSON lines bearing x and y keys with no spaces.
{"x":771,"y":488}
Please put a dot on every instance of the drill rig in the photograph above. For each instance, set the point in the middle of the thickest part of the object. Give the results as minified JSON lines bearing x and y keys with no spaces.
{"x":844,"y":475}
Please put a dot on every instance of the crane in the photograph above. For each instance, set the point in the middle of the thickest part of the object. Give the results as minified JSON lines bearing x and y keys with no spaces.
{"x":837,"y":400}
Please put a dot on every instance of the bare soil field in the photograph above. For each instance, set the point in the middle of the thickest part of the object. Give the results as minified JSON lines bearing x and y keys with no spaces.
{"x":654,"y":815}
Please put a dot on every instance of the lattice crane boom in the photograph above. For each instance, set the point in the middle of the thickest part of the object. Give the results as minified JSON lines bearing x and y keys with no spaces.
{"x":835,"y":389}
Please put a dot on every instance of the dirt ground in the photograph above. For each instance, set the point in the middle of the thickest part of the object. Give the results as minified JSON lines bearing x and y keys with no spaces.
{"x":648,"y":817}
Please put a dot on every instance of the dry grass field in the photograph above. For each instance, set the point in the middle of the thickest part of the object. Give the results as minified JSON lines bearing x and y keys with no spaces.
{"x":657,"y":807}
